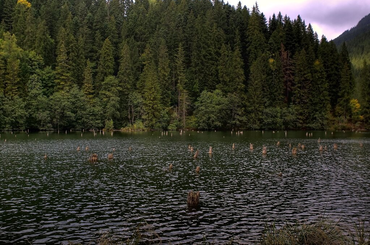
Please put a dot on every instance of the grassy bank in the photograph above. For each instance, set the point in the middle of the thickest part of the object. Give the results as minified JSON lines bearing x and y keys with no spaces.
{"x":323,"y":232}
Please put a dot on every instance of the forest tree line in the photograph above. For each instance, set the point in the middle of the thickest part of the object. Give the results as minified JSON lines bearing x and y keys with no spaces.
{"x":170,"y":64}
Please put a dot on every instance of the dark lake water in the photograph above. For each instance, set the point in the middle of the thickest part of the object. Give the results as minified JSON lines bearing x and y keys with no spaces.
{"x":66,"y":198}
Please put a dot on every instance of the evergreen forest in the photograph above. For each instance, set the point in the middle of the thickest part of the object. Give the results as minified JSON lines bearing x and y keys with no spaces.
{"x":171,"y":64}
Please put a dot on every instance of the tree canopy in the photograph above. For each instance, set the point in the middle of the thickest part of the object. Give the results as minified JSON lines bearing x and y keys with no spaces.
{"x":170,"y":64}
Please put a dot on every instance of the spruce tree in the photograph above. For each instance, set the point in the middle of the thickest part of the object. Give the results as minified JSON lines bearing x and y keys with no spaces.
{"x":87,"y":87}
{"x":343,"y":108}
{"x":21,"y":12}
{"x":125,"y":78}
{"x":151,"y":91}
{"x":319,"y":98}
{"x":181,"y":81}
{"x":365,"y":93}
{"x":166,"y":87}
{"x":256,"y":41}
{"x":255,"y":100}
{"x":105,"y":65}
{"x":12,"y":77}
{"x":302,"y":86}
{"x":63,"y":78}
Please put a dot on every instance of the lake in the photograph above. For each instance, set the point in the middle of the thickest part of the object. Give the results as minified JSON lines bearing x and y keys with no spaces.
{"x":64,"y":197}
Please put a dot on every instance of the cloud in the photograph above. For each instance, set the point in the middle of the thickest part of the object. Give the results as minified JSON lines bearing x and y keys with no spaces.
{"x":339,"y":14}
{"x":328,"y":17}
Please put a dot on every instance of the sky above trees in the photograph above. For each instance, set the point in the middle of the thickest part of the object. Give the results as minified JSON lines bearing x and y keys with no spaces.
{"x":330,"y":17}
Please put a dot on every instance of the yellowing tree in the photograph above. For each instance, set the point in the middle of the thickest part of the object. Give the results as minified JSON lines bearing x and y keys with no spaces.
{"x":25,"y":3}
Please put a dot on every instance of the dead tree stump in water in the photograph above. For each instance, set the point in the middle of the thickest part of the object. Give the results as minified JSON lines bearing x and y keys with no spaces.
{"x":196,"y":154}
{"x":193,"y":199}
{"x":93,"y":158}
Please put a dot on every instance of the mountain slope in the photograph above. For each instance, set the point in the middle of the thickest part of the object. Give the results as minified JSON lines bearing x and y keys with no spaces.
{"x":362,"y":27}
{"x":358,"y":42}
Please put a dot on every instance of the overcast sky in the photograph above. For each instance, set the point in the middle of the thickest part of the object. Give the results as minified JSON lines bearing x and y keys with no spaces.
{"x":327,"y":17}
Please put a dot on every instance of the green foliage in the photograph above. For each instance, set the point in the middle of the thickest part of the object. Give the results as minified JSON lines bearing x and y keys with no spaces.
{"x":255,"y":99}
{"x":210,"y":110}
{"x":109,"y":125}
{"x":14,"y":113}
{"x":109,"y":96}
{"x":63,"y":79}
{"x":105,"y":65}
{"x":76,"y":64}
{"x":272,"y":118}
{"x":302,"y":87}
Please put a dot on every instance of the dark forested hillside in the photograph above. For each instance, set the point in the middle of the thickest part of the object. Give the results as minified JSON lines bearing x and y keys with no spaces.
{"x":362,"y":27}
{"x":92,"y":64}
{"x":358,"y":43}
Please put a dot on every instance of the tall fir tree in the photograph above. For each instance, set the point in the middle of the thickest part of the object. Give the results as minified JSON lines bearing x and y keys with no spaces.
{"x":105,"y":65}
{"x":256,"y":41}
{"x":125,"y":78}
{"x":365,"y":93}
{"x":167,"y":89}
{"x":151,"y":91}
{"x":343,"y":108}
{"x":302,"y":86}
{"x":255,"y":100}
{"x":88,"y":87}
{"x":63,"y":78}
{"x":181,"y":81}
{"x":319,"y":104}
{"x":21,"y":12}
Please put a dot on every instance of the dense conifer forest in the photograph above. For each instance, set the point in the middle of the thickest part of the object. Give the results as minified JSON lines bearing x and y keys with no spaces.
{"x":170,"y":64}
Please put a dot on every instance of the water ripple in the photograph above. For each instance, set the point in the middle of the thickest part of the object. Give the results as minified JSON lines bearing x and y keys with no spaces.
{"x":67,"y":198}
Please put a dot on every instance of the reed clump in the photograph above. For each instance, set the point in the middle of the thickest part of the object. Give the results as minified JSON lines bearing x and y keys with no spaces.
{"x":193,"y":199}
{"x":321,"y":232}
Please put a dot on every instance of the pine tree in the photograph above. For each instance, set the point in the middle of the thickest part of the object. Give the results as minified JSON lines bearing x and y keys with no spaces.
{"x":224,"y":69}
{"x":109,"y":95}
{"x":274,"y":85}
{"x":20,"y":15}
{"x":181,"y":81}
{"x":329,"y":55}
{"x":230,"y":71}
{"x":87,"y":87}
{"x":12,"y":77}
{"x":77,"y":61}
{"x":256,"y":41}
{"x":2,"y":75}
{"x":288,"y":74}
{"x":166,"y":87}
{"x":7,"y":13}
{"x":10,"y":53}
{"x":151,"y":91}
{"x":125,"y":78}
{"x":319,"y":105}
{"x":365,"y":93}
{"x":63,"y":79}
{"x":302,"y":86}
{"x":44,"y":44}
{"x":255,"y":100}
{"x":343,"y":108}
{"x":105,"y":65}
